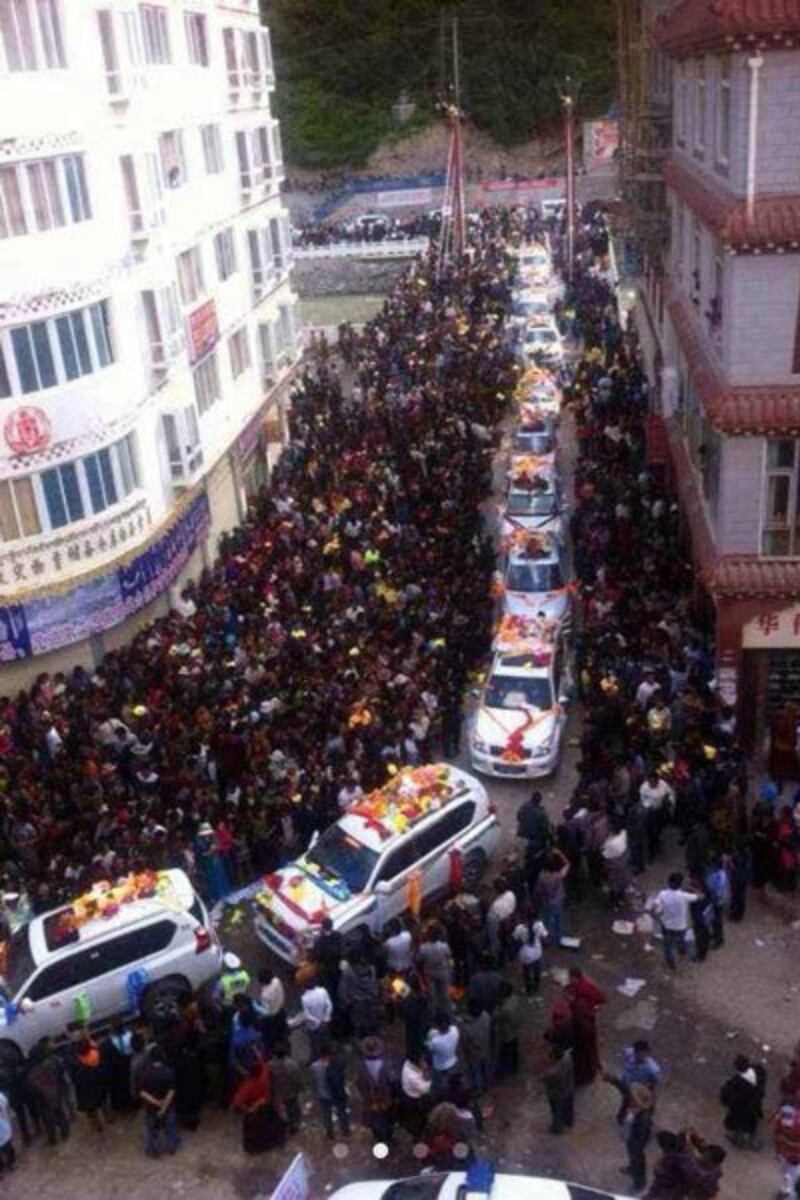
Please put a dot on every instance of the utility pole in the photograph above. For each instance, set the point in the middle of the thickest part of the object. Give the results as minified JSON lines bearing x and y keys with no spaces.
{"x":568,"y":101}
{"x":456,"y":66}
{"x":453,"y":235}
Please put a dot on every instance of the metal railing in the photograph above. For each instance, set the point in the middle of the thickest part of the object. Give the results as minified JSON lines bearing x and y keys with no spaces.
{"x":396,"y":248}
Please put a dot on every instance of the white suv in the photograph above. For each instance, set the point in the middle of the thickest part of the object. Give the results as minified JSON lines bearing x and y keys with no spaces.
{"x":148,"y":938}
{"x":358,"y":872}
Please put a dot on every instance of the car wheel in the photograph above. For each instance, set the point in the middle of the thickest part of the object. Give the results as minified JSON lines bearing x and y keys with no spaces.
{"x":473,"y":869}
{"x":166,"y":994}
{"x":10,"y":1056}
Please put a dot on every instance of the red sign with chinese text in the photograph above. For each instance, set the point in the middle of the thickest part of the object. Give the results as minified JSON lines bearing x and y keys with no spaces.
{"x":203,"y":330}
{"x":27,"y":429}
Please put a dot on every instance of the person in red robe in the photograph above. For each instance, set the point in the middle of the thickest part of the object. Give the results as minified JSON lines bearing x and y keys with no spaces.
{"x":584,"y":998}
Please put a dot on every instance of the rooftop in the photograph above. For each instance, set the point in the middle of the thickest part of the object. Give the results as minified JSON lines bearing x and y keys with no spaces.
{"x":694,"y":25}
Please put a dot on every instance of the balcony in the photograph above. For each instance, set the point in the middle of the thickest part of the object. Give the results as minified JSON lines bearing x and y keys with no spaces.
{"x":50,"y":558}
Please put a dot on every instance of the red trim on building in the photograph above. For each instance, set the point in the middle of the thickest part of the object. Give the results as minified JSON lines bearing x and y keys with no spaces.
{"x":705,"y":24}
{"x":742,"y":575}
{"x":775,"y":221}
{"x":691,"y":498}
{"x":732,"y":410}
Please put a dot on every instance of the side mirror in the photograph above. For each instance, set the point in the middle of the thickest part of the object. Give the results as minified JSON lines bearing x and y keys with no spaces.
{"x":382,"y":888}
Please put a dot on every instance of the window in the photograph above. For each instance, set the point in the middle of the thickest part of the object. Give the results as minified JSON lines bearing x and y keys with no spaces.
{"x":190,"y":275}
{"x":18,"y":513}
{"x":182,"y":438}
{"x":239,"y":350}
{"x":724,"y":112}
{"x":276,"y":243}
{"x":212,"y":149}
{"x":13,"y":221}
{"x":45,"y":194}
{"x":30,"y":33}
{"x":285,"y":329}
{"x":781,"y":532}
{"x":87,"y":486}
{"x":5,"y":383}
{"x":243,"y":157}
{"x":700,"y":107}
{"x":196,"y":38}
{"x":398,"y":861}
{"x":266,"y":348}
{"x":266,"y":52}
{"x":231,"y":59}
{"x":276,"y":141}
{"x":58,"y":977}
{"x":206,"y":383}
{"x":225,"y":253}
{"x":261,"y":155}
{"x":696,"y":285}
{"x":143,"y":191}
{"x":155,"y":33}
{"x":250,"y":56}
{"x":261,"y":266}
{"x":682,"y":105}
{"x":163,"y":322}
{"x":45,"y":353}
{"x":173,"y":161}
{"x":448,"y":826}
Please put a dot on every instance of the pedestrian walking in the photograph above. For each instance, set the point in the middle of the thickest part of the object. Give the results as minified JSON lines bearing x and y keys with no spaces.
{"x":328,"y":1079}
{"x":533,"y":826}
{"x":287,"y":1085}
{"x":529,"y":936}
{"x":743,"y":1097}
{"x":376,"y":1083}
{"x":475,"y":1044}
{"x":636,"y":1130}
{"x":8,"y":1153}
{"x":507,"y":1028}
{"x":48,"y":1085}
{"x":436,"y":964}
{"x":442,"y":1042}
{"x":559,"y":1086}
{"x":90,"y":1078}
{"x":316,"y":1013}
{"x":550,"y":895}
{"x":671,"y":907}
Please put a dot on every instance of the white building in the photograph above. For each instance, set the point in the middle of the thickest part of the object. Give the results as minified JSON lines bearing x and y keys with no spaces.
{"x":146,"y":313}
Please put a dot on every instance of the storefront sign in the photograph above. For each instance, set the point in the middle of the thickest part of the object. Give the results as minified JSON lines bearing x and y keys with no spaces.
{"x":249,"y":439}
{"x":771,"y":628}
{"x":27,"y":429}
{"x":48,"y":622}
{"x":203,"y":330}
{"x":295,"y":1184}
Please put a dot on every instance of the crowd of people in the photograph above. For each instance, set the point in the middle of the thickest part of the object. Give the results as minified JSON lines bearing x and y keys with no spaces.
{"x":333,"y":638}
{"x":379,"y":227}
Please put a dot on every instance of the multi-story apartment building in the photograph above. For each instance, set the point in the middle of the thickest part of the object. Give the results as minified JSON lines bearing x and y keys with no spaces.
{"x":146,"y":316}
{"x":727,"y":328}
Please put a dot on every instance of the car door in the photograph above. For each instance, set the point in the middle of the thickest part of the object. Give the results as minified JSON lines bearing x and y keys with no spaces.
{"x":433,"y":843}
{"x":391,"y":879}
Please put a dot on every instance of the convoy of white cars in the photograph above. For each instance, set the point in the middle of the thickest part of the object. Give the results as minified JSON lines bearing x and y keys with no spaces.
{"x":517,"y":727}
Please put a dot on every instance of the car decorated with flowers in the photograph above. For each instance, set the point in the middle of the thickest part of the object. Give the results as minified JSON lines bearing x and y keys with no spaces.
{"x":533,"y":502}
{"x":518,"y":724}
{"x":534,"y":583}
{"x":428,"y":829}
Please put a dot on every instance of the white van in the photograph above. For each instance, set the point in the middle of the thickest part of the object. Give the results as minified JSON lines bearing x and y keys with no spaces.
{"x":75,"y":966}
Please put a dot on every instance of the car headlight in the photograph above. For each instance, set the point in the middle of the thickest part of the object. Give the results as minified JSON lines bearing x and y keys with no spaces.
{"x":480,"y":746}
{"x":542,"y":750}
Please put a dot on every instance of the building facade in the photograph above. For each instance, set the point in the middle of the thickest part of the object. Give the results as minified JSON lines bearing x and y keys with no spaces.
{"x":724,"y":320}
{"x":147,"y":323}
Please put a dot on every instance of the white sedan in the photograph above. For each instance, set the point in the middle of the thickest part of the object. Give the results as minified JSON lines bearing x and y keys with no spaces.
{"x":455,"y":1186}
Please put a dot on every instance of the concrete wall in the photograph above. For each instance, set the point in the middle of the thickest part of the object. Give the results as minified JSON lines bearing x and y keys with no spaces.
{"x":761,"y":319}
{"x":330,"y":277}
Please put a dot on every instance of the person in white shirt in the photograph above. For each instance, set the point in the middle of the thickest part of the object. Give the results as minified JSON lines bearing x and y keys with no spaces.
{"x":658,"y":800}
{"x":349,"y":792}
{"x":442,"y":1042}
{"x":671,"y":906}
{"x":501,"y":910}
{"x":399,"y":946}
{"x":529,"y":936}
{"x":415,"y":1079}
{"x":316,"y":1014}
{"x":646,"y":688}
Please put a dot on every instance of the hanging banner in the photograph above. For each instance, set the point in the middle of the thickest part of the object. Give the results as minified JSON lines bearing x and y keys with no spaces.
{"x":295,"y":1184}
{"x":151,"y":572}
{"x":49,"y":622}
{"x":203,"y":330}
{"x":600,"y":143}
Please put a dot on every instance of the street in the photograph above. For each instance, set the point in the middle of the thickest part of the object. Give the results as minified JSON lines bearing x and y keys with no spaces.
{"x":743,"y":999}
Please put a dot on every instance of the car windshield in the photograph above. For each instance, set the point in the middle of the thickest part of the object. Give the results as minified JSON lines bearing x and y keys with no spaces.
{"x":532,"y":504}
{"x":424,"y":1187}
{"x":531,"y":308}
{"x":533,"y":443}
{"x":541,"y":333}
{"x":344,"y":856}
{"x":519,"y":691}
{"x":533,"y":577}
{"x":19,"y":961}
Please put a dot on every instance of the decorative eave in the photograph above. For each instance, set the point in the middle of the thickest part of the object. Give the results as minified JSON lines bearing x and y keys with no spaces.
{"x":745,"y":576}
{"x":746,"y":411}
{"x":697,"y":25}
{"x":774,"y":226}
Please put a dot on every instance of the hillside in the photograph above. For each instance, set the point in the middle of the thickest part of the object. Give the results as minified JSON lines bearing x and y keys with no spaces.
{"x":342,"y":65}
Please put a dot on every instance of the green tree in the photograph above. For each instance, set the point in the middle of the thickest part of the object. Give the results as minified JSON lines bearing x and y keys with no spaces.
{"x":342,"y":64}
